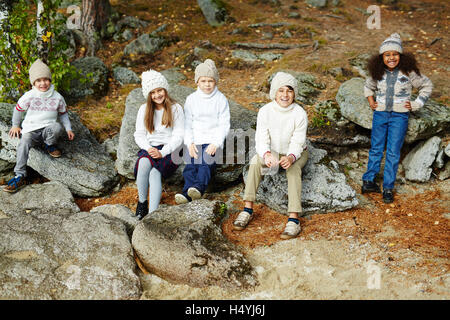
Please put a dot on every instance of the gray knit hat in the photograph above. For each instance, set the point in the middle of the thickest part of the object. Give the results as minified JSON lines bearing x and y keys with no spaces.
{"x":39,"y":70}
{"x":207,"y":69}
{"x":393,"y":42}
{"x":282,"y":79}
{"x":152,"y":80}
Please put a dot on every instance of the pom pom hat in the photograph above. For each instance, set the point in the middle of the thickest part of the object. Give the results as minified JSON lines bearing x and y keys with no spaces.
{"x":39,"y":70}
{"x":282,"y":79}
{"x":393,"y":42}
{"x":152,"y":80}
{"x":207,"y":69}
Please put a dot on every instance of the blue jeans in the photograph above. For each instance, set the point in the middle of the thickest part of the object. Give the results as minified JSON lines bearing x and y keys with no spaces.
{"x":388,"y":130}
{"x":198,"y":172}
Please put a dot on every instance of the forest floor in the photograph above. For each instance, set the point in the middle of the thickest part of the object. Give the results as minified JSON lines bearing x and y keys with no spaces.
{"x":408,"y":241}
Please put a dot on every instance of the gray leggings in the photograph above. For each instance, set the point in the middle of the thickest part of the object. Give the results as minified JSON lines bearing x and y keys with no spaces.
{"x":149,"y":178}
{"x":49,"y":135}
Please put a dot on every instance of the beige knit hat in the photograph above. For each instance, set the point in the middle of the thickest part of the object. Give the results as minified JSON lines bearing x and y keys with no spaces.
{"x":207,"y":69}
{"x":39,"y":70}
{"x":393,"y":42}
{"x":152,"y":80}
{"x":282,"y":79}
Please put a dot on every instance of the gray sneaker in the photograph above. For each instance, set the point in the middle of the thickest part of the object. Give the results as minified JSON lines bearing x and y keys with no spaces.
{"x":194,"y":193}
{"x":291,"y":231}
{"x":242,"y":220}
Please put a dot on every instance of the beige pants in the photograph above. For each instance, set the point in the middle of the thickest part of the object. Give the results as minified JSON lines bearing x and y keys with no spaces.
{"x":293,"y":174}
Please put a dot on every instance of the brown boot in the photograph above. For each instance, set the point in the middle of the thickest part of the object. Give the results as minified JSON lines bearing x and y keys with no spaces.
{"x":15,"y":184}
{"x":53,"y":151}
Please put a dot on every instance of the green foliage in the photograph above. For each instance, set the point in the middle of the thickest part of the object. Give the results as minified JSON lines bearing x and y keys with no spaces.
{"x":19,"y":48}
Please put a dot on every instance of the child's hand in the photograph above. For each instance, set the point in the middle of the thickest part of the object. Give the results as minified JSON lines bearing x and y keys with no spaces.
{"x":70,"y":134}
{"x":14,"y":132}
{"x":154,"y":153}
{"x":374,"y":105}
{"x":211,"y":149}
{"x":286,"y":162}
{"x":270,"y":160}
{"x":408,"y":105}
{"x":193,"y":151}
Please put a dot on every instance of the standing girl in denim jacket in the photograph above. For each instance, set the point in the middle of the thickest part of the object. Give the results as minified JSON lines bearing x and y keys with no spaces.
{"x":393,"y":74}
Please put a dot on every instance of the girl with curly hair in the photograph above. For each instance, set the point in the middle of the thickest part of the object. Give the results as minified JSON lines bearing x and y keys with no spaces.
{"x":392,"y":75}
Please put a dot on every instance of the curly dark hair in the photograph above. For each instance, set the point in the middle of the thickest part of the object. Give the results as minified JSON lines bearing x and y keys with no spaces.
{"x":376,"y":66}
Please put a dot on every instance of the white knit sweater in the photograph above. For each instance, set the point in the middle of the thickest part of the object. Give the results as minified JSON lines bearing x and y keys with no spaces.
{"x":42,"y":109}
{"x":207,"y":118}
{"x":171,"y":137}
{"x":281,"y":130}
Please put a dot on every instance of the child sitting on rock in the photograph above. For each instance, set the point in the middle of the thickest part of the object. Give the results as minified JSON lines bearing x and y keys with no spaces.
{"x":393,"y":74}
{"x":159,"y":132}
{"x":43,"y":106}
{"x":207,"y":123}
{"x":280,"y":141}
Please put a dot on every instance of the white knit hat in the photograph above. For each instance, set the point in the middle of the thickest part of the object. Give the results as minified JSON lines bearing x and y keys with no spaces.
{"x":152,"y":80}
{"x":207,"y":69}
{"x":39,"y":70}
{"x":393,"y":42}
{"x":282,"y":79}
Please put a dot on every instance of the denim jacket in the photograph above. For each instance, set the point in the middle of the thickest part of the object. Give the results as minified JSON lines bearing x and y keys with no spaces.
{"x":402,"y":91}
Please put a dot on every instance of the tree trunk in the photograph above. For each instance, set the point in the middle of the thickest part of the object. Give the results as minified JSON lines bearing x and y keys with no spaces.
{"x":42,"y":45}
{"x":95,"y":15}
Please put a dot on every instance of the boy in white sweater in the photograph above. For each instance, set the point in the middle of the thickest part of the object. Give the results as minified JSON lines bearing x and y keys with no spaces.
{"x":207,"y":123}
{"x":43,"y":106}
{"x":280,"y":141}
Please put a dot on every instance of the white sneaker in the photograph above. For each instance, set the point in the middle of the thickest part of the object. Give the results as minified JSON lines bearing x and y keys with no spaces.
{"x":180,"y":199}
{"x":194,"y":193}
{"x":291,"y":231}
{"x":242,"y":220}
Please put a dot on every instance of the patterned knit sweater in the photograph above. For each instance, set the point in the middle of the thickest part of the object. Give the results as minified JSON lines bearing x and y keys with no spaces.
{"x":395,"y":88}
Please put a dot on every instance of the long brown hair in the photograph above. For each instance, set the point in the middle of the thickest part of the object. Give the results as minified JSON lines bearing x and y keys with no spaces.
{"x":167,"y":119}
{"x":407,"y":63}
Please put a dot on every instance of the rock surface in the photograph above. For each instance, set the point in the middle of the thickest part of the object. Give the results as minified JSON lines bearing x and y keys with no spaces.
{"x":424,"y":123}
{"x":125,"y":76}
{"x":50,"y":250}
{"x":184,"y":244}
{"x":145,"y":44}
{"x":96,"y":74}
{"x":417,"y":164}
{"x":85,"y":167}
{"x":324,"y":187}
{"x":214,"y":12}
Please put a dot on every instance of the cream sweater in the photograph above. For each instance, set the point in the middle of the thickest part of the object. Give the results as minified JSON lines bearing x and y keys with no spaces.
{"x":207,"y":118}
{"x":281,"y":130}
{"x":171,"y":137}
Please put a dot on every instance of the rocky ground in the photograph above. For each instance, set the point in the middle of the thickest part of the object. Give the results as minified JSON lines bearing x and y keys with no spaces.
{"x":407,"y":241}
{"x":372,"y":251}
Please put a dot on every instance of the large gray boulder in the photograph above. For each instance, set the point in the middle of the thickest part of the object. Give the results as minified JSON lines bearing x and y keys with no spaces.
{"x":38,"y":199}
{"x":324,"y":187}
{"x":214,"y":11}
{"x":184,"y":244}
{"x":125,"y":76}
{"x":417,"y":164}
{"x":85,"y":167}
{"x":242,"y":123}
{"x":120,"y":212}
{"x":95,"y":79}
{"x":50,"y":250}
{"x":424,"y":123}
{"x":145,"y":44}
